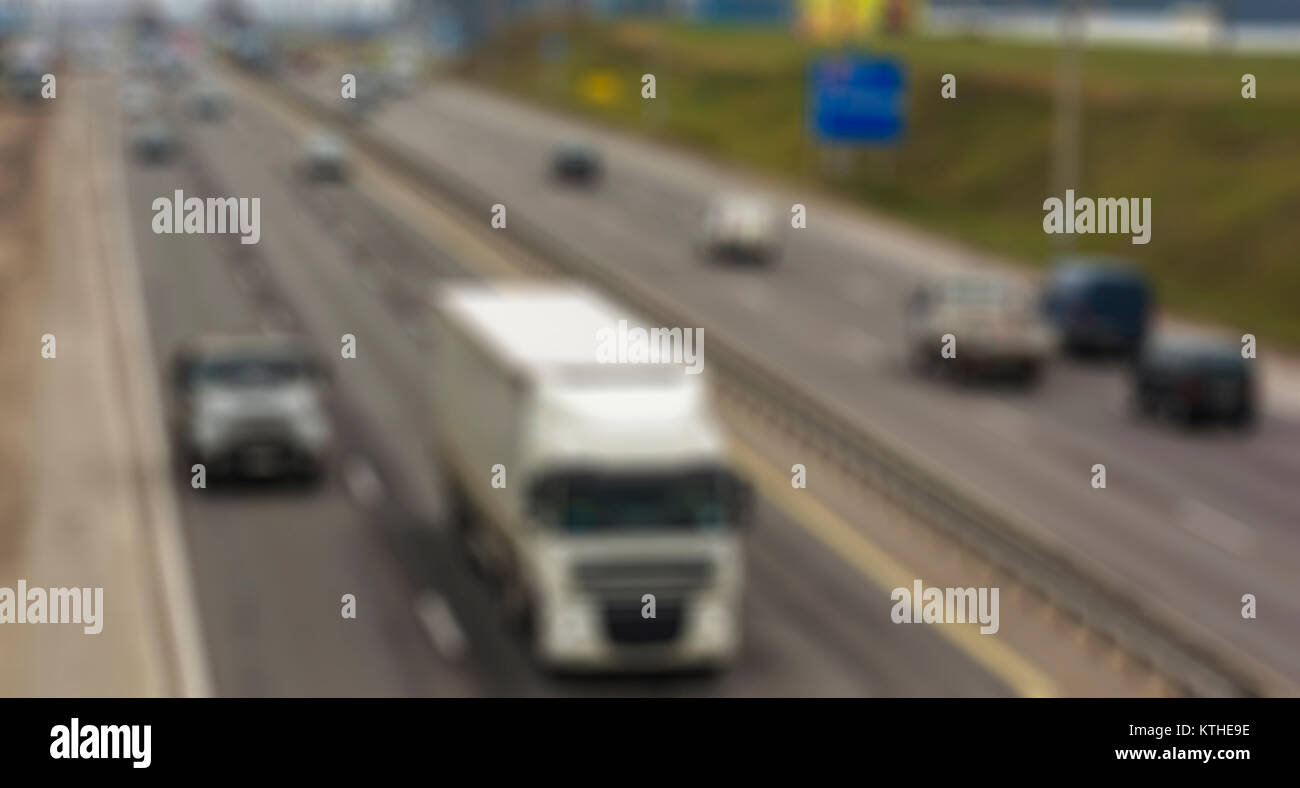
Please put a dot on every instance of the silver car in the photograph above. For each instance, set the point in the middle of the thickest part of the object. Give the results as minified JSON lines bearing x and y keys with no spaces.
{"x":154,"y":141}
{"x":324,"y":156}
{"x":209,"y":100}
{"x":251,"y":406}
{"x":739,"y":226}
{"x":990,"y":324}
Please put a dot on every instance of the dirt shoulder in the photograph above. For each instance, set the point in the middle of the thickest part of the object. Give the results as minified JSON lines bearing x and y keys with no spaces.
{"x":24,"y":178}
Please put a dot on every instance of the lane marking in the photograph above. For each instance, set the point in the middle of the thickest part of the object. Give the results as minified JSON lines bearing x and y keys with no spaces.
{"x":863,"y":290}
{"x":856,"y":549}
{"x":1221,"y":530}
{"x":860,"y":346}
{"x":1004,"y":420}
{"x":882,"y":571}
{"x":416,"y":329}
{"x":754,"y":296}
{"x":440,"y":625}
{"x":194,"y":677}
{"x":362,"y":482}
{"x":416,"y":208}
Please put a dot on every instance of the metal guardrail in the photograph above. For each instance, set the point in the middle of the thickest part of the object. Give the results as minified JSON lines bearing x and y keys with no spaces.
{"x":1159,"y":636}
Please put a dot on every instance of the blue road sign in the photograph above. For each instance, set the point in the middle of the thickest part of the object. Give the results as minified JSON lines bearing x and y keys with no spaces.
{"x":857,"y":99}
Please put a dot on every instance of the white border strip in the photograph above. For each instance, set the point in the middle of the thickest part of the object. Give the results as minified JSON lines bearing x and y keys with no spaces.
{"x":191,"y":672}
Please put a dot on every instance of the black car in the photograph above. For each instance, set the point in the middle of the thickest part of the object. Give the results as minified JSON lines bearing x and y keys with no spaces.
{"x":1190,"y":381}
{"x":154,"y":142}
{"x":576,"y":164}
{"x":1098,"y":306}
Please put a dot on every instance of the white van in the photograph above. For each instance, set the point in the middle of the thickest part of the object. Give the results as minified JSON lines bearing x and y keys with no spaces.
{"x":598,"y":492}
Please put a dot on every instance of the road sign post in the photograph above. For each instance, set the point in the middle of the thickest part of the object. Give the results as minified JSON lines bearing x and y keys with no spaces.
{"x":855,"y":101}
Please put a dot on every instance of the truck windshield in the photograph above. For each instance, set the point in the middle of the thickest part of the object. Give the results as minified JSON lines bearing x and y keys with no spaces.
{"x":589,"y":502}
{"x":251,"y":371}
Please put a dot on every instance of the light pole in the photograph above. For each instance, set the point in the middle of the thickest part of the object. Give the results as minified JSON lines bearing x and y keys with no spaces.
{"x":1069,"y":107}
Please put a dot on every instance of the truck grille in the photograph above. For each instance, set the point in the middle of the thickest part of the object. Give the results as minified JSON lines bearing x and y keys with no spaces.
{"x":644,"y":576}
{"x":624,"y":624}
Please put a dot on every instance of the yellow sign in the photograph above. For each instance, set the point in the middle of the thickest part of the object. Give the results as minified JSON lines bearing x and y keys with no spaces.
{"x":841,"y":19}
{"x":600,"y":86}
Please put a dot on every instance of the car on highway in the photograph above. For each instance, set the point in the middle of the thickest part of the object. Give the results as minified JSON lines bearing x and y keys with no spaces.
{"x":1190,"y":380}
{"x":208,"y":100}
{"x":255,"y":50}
{"x":576,"y":164}
{"x":324,"y":156}
{"x":598,"y":493}
{"x":25,"y":66}
{"x":742,"y":227}
{"x":1098,"y":306}
{"x":250,"y":406}
{"x":401,"y":72}
{"x":990,"y":323}
{"x":154,"y":141}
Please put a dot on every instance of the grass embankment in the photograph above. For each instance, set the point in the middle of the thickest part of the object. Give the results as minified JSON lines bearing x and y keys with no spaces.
{"x":1223,"y":172}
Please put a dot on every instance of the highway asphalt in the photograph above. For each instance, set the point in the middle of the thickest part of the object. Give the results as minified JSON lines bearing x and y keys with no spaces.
{"x":272,"y":562}
{"x":1189,"y":521}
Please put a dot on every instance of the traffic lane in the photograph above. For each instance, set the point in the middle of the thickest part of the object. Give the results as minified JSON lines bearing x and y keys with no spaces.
{"x":271,"y":566}
{"x":1158,"y":514}
{"x":289,"y":149}
{"x":316,"y":268}
{"x":819,"y":660}
{"x":859,"y":295}
{"x":858,"y":323}
{"x":822,"y":604}
{"x":864,"y":291}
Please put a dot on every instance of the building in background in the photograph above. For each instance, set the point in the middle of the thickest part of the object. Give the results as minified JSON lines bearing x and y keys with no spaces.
{"x":1246,"y":24}
{"x":831,"y":20}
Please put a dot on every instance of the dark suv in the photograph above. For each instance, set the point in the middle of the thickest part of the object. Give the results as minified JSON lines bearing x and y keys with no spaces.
{"x":1098,"y":306}
{"x":1191,"y":380}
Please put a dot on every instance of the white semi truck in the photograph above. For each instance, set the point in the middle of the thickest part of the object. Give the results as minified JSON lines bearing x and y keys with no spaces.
{"x":597,"y":492}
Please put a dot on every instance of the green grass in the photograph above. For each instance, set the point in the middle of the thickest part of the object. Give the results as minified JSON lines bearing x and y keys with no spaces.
{"x":1223,"y":172}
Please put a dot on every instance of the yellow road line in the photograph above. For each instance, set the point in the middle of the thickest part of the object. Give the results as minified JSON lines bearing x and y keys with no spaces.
{"x":409,"y":204}
{"x":813,"y":516}
{"x":884,"y":572}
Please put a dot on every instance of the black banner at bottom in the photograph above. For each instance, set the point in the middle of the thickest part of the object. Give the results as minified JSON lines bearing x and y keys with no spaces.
{"x":330,"y":737}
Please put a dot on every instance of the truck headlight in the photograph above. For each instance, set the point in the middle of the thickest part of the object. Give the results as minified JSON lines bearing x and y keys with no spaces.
{"x":716,"y":622}
{"x":207,"y":433}
{"x":574,"y":627}
{"x":313,"y":429}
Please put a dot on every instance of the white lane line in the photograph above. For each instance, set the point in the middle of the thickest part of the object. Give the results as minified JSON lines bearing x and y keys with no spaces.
{"x":862,"y":290}
{"x":1217,"y":528}
{"x":860,"y":346}
{"x":172,"y":558}
{"x":277,"y":320}
{"x":440,"y":624}
{"x":370,"y":280}
{"x":1006,"y":421}
{"x":362,"y":483}
{"x":754,"y":296}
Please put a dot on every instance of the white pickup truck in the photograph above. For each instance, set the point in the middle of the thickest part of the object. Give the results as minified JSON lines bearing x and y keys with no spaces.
{"x":597,"y":492}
